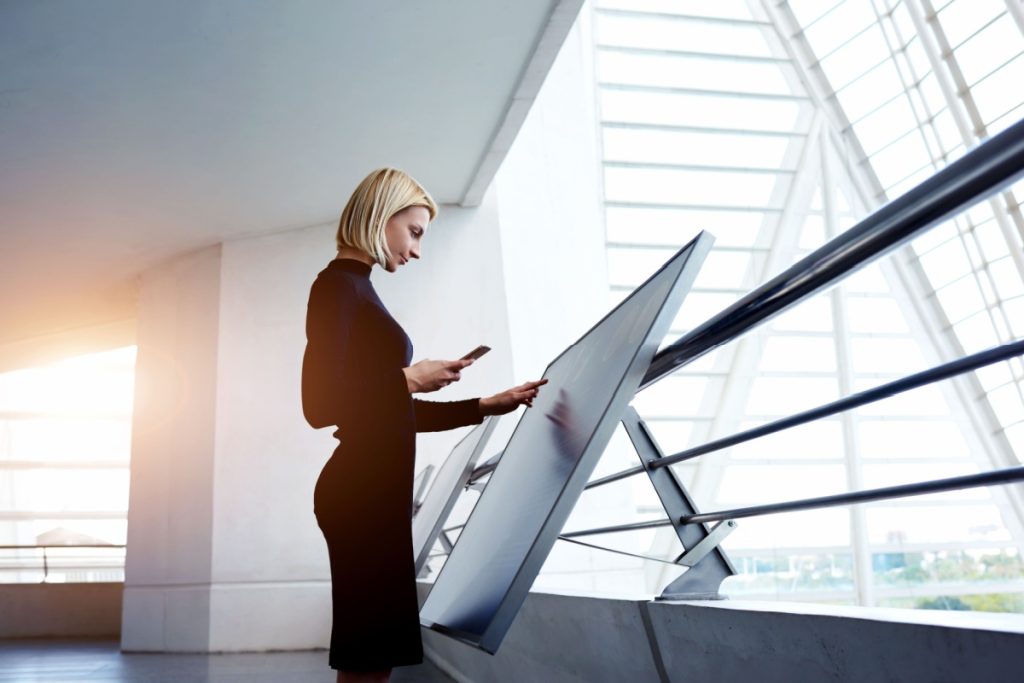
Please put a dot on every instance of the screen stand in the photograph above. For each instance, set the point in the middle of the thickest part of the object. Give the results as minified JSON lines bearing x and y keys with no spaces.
{"x":707,"y":562}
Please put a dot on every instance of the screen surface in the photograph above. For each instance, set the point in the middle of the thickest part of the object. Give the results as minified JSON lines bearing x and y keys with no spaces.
{"x":445,"y":490}
{"x":549,"y":457}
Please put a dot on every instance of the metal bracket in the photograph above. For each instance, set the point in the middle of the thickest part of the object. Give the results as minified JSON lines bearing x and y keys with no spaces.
{"x":692,"y":556}
{"x":707,"y":564}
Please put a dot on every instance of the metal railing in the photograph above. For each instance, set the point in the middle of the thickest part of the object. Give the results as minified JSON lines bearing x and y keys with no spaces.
{"x":68,"y":562}
{"x":992,"y":166}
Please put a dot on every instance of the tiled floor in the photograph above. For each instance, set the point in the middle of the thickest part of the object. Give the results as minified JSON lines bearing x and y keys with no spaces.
{"x":100,"y":661}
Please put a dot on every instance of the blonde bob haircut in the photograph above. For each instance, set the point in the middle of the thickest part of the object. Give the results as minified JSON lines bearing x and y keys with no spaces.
{"x":382,"y":194}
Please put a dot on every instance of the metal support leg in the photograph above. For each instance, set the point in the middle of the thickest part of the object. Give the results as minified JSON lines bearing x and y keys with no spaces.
{"x":708,"y":566}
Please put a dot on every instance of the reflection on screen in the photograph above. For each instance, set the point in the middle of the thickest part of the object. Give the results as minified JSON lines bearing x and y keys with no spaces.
{"x":448,"y":483}
{"x":549,"y":457}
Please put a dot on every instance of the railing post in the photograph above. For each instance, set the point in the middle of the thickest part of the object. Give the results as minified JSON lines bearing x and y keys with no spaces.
{"x":702,"y":580}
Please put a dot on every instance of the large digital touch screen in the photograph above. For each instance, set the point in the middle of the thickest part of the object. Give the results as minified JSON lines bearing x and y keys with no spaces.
{"x":549,"y":458}
{"x":445,"y":490}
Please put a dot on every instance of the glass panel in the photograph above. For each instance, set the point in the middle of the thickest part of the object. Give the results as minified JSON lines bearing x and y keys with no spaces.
{"x":874,"y":314}
{"x":720,"y":188}
{"x":52,"y":490}
{"x":963,"y":18}
{"x":927,"y":401}
{"x":935,"y":523}
{"x":906,"y":438}
{"x":757,"y":484}
{"x":692,"y":36}
{"x":885,"y":125}
{"x":684,"y":147}
{"x":798,"y":354}
{"x":900,"y":159}
{"x":726,"y":9}
{"x":1000,"y":92}
{"x":993,"y":46}
{"x":839,"y":25}
{"x":895,"y":474}
{"x":851,"y":60}
{"x":820,"y":440}
{"x":679,"y":226}
{"x":672,"y":397}
{"x":865,"y":94}
{"x":702,"y":73}
{"x":712,"y":111}
{"x":785,"y":395}
{"x":1006,"y":278}
{"x":812,"y":315}
{"x":961,"y":298}
{"x":945,"y":263}
{"x":976,"y":333}
{"x":886,"y":355}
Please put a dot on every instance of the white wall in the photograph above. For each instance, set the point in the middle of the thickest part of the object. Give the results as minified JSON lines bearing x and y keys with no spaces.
{"x":223,"y":551}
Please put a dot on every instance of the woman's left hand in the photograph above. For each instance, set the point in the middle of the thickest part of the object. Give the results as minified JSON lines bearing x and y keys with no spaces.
{"x":510,"y":399}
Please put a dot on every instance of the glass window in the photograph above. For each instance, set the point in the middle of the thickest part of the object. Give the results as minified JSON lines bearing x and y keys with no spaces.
{"x":993,"y":46}
{"x":701,"y":109}
{"x":976,"y":333}
{"x":839,"y":25}
{"x":684,"y":147}
{"x":686,"y":187}
{"x":895,"y":437}
{"x":851,"y":60}
{"x":785,"y":353}
{"x":961,"y":298}
{"x":886,"y":355}
{"x":781,"y":396}
{"x":999,"y":93}
{"x":726,"y":9}
{"x":889,"y":123}
{"x":692,"y":36}
{"x":900,"y":159}
{"x":679,"y":226}
{"x":867,"y":93}
{"x":875,"y":315}
{"x":701,"y":73}
{"x":963,"y":18}
{"x":812,"y":315}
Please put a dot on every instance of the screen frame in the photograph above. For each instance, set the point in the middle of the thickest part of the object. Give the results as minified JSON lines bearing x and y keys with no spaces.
{"x":693,"y":254}
{"x":482,"y":433}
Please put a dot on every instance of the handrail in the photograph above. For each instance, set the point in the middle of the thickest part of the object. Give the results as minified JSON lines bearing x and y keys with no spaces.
{"x":988,"y":168}
{"x":991,"y":166}
{"x":62,"y":545}
{"x":904,"y":384}
{"x":995,"y":477}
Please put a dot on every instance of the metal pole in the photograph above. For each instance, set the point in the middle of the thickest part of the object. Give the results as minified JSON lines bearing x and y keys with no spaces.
{"x":618,"y":527}
{"x":915,"y":381}
{"x":1004,"y":476}
{"x":899,"y":386}
{"x":990,"y":167}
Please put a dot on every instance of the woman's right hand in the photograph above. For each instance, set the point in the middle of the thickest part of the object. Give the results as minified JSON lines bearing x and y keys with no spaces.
{"x":431,"y":375}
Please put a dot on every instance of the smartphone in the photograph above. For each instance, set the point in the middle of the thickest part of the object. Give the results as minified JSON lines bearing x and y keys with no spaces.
{"x":476,"y":353}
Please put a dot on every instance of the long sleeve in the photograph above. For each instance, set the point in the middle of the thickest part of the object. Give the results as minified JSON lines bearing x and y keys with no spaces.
{"x":345,"y":381}
{"x":435,"y":416}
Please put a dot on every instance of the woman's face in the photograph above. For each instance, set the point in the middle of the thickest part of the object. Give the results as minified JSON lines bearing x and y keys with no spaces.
{"x":403,"y":234}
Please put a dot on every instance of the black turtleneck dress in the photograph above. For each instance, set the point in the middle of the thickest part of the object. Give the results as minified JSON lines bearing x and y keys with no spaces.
{"x":352,"y":378}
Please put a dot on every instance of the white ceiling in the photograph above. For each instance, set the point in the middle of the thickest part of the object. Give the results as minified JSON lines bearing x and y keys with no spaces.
{"x":132,"y":131}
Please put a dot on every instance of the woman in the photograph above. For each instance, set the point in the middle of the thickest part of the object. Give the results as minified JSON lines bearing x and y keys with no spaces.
{"x":356,"y":376}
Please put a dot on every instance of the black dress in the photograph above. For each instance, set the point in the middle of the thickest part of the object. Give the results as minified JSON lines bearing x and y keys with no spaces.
{"x":352,"y":378}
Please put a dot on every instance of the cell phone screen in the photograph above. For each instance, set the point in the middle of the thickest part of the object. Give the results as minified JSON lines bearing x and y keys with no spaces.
{"x":477,"y":352}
